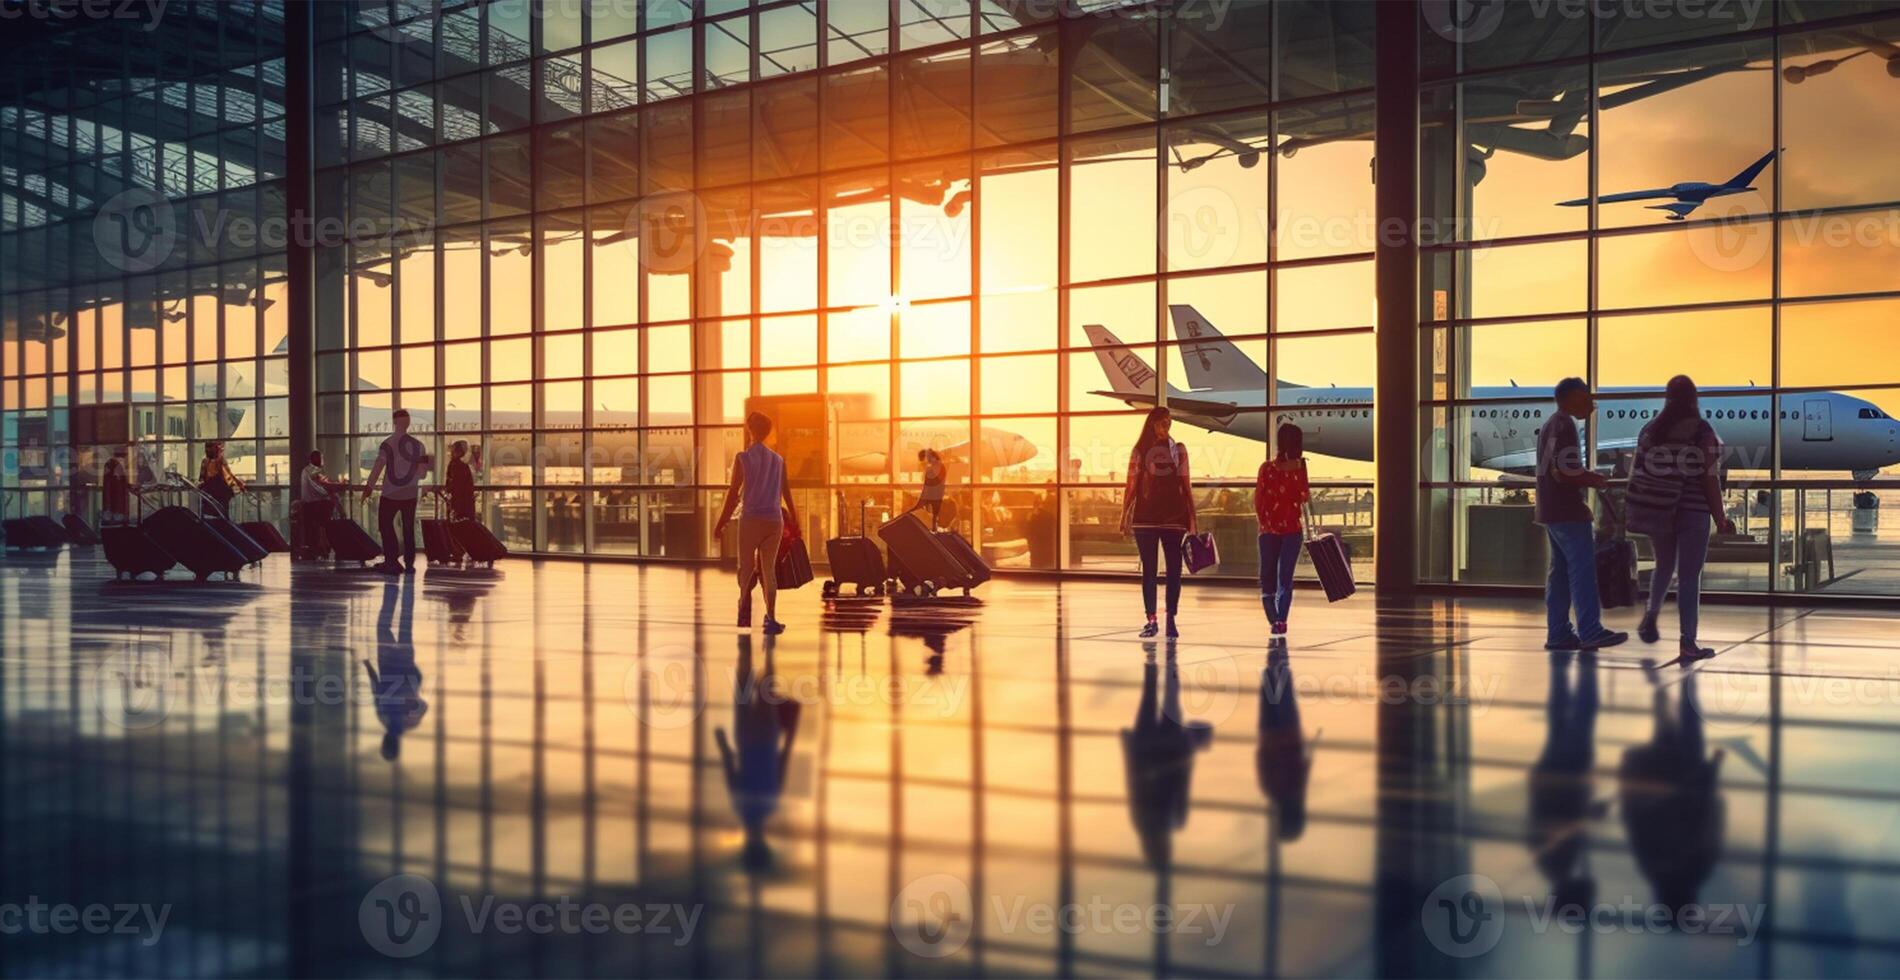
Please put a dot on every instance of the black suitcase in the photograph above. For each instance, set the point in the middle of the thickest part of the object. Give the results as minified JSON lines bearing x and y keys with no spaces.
{"x":918,"y":560}
{"x":347,"y":539}
{"x":438,"y":542}
{"x":792,"y":568}
{"x":186,"y":537}
{"x":132,"y":552}
{"x":855,"y":559}
{"x":33,"y":532}
{"x":974,"y":567}
{"x":1331,"y":564}
{"x":1616,"y":563}
{"x":478,"y":542}
{"x":1616,"y":572}
{"x":78,"y":531}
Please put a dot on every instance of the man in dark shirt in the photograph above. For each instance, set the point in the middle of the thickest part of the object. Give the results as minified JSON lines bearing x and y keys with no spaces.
{"x":1561,"y":479}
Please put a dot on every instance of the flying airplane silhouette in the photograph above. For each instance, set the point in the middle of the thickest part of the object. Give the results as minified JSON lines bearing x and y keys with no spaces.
{"x":1689,"y":195}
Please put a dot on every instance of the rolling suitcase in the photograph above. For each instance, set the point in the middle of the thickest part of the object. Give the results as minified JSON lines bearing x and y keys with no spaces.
{"x":855,"y":559}
{"x":478,"y":542}
{"x":975,"y":570}
{"x":262,"y":531}
{"x":792,"y":568}
{"x":1328,"y":552}
{"x":33,"y":532}
{"x":918,"y":560}
{"x":244,"y":544}
{"x":132,"y":552}
{"x":1616,"y":564}
{"x":78,"y":531}
{"x":438,"y":542}
{"x":348,"y":541}
{"x":187,"y":538}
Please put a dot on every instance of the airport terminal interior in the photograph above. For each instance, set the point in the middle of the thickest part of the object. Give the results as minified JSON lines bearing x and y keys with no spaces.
{"x":955,"y":251}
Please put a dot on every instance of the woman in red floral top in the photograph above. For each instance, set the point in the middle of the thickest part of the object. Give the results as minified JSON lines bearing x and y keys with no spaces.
{"x":1278,"y":492}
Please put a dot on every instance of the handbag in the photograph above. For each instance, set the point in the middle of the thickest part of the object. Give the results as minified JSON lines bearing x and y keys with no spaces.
{"x":1198,"y":551}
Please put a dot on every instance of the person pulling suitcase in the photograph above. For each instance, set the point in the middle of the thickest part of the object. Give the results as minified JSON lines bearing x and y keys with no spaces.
{"x":758,"y":480}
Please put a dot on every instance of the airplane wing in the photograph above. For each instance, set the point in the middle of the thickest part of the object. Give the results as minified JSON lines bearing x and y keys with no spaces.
{"x":1653,"y":192}
{"x":1186,"y":406}
{"x":1525,"y":460}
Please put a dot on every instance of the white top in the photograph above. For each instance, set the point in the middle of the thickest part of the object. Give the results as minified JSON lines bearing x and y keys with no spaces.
{"x":313,"y":491}
{"x":403,"y":466}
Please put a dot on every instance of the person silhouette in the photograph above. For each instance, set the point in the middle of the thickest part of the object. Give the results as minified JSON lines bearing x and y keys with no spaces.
{"x":1283,"y":759}
{"x":1561,"y":783}
{"x":395,"y":680}
{"x":765,"y":724}
{"x":1159,"y":752}
{"x":1668,"y":788}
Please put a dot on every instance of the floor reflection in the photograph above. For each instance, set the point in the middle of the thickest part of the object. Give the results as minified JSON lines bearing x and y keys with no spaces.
{"x":566,"y":769}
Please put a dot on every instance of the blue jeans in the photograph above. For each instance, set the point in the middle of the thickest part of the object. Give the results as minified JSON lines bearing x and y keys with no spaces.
{"x":1572,"y":582}
{"x":1278,"y":554}
{"x":1680,"y":551}
{"x":1149,"y":540}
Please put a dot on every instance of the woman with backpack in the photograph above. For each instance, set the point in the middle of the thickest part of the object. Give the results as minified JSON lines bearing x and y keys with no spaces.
{"x":1158,"y":508}
{"x":1675,"y":491}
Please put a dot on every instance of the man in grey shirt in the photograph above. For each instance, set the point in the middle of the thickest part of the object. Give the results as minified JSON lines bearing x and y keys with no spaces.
{"x":400,"y":465}
{"x":1561,"y":508}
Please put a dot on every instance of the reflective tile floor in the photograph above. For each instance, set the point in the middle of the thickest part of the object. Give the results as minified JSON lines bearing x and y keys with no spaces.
{"x":571,"y":770}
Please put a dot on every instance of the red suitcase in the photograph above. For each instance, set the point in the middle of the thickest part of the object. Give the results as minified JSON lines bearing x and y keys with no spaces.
{"x":262,"y":531}
{"x":919,"y":561}
{"x":1328,"y":552}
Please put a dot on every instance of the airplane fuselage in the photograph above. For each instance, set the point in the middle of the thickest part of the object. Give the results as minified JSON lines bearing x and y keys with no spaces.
{"x":1819,"y":430}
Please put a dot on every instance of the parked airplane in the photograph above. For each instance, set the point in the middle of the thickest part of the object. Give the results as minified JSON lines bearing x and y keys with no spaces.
{"x":1827,"y":431}
{"x":1688,"y":195}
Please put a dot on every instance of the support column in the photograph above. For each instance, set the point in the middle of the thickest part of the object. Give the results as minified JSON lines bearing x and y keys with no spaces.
{"x":300,"y":288}
{"x":1395,"y":260}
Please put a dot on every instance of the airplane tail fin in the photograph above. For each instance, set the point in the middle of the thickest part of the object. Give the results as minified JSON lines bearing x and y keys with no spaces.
{"x":1127,"y":373}
{"x":1212,"y":360}
{"x":1754,"y":169}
